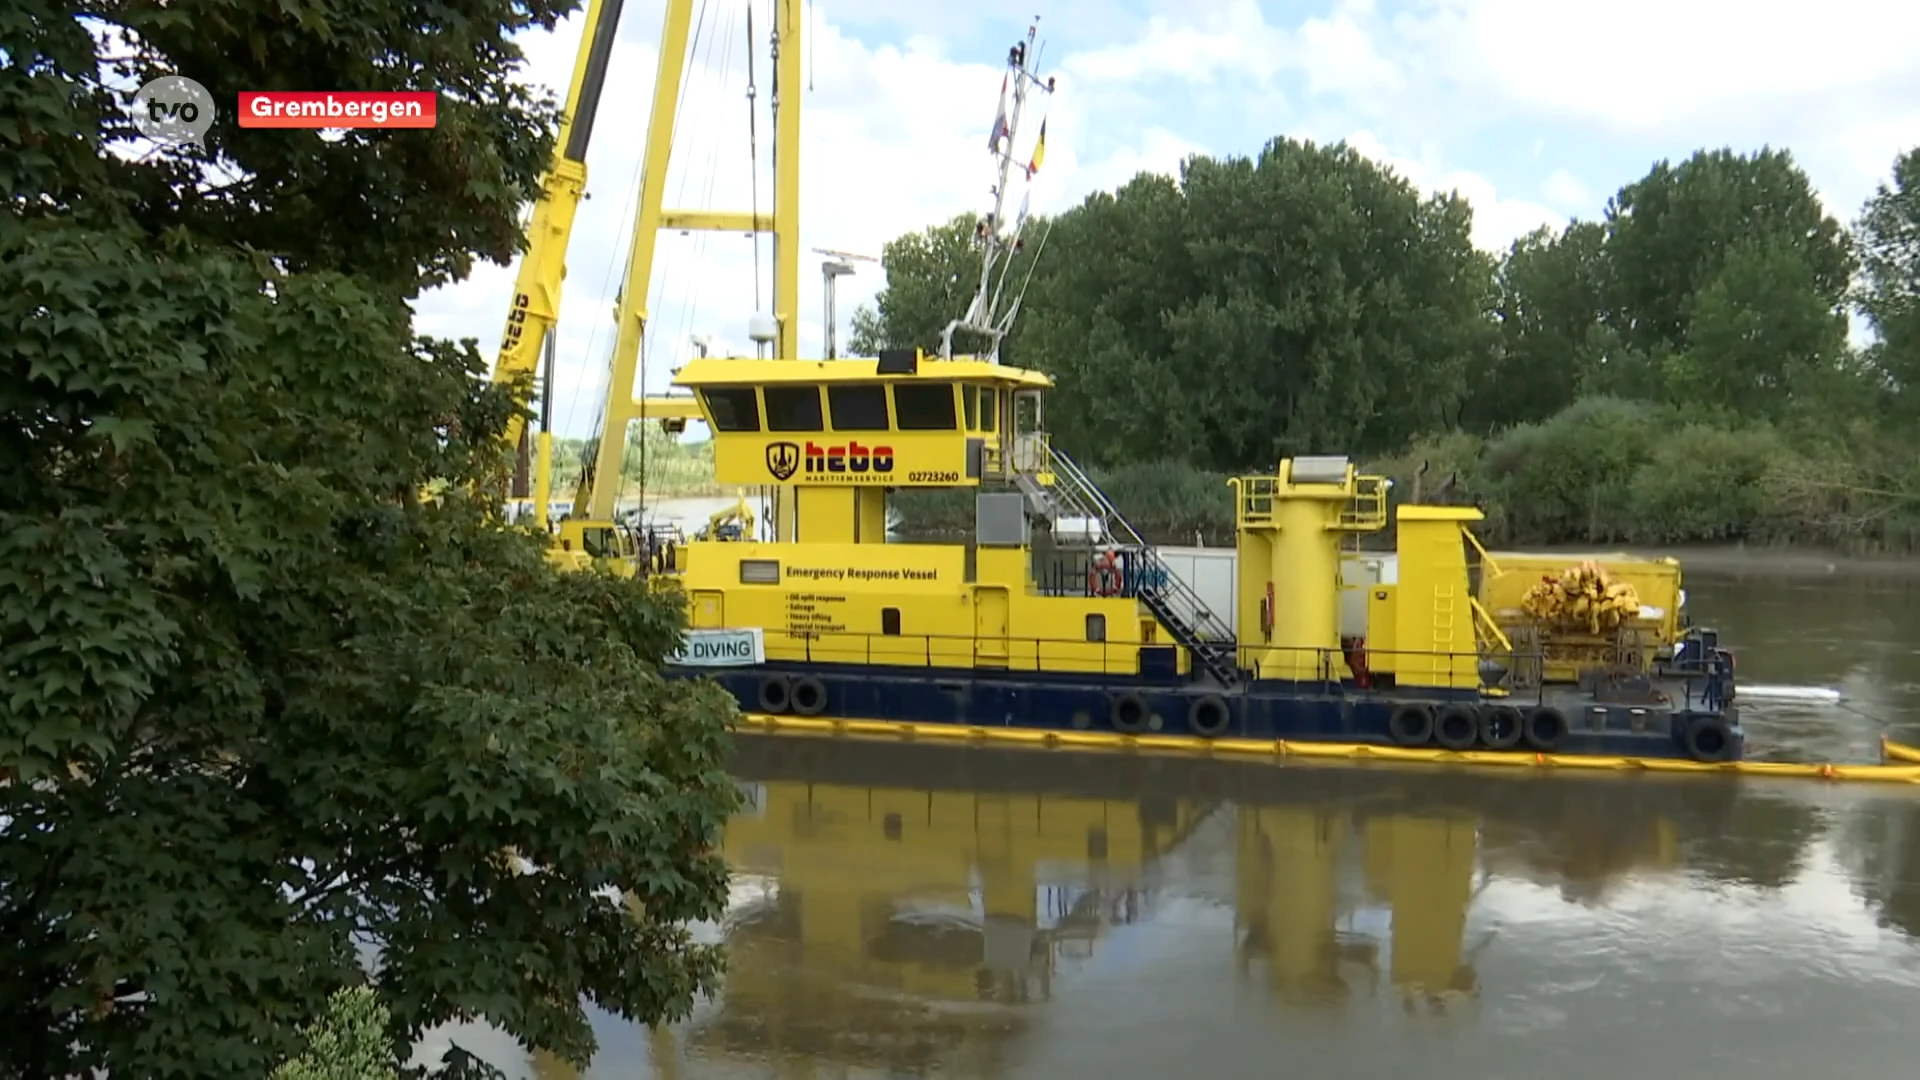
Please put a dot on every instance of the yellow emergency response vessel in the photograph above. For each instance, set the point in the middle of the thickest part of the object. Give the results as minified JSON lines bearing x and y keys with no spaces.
{"x":1056,"y":614}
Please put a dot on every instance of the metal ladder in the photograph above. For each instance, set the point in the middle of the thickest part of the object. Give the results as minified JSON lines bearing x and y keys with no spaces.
{"x":1147,"y":577}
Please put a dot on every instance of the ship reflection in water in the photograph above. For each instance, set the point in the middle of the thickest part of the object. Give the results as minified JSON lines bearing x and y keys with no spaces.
{"x":917,"y":910}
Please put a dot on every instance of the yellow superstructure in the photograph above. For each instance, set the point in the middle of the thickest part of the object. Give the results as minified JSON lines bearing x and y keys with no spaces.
{"x":839,"y":436}
{"x":1292,"y":530}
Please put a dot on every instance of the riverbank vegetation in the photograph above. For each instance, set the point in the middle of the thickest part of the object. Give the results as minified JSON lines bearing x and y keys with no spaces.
{"x":660,"y":463}
{"x":267,"y":712}
{"x":1679,"y":371}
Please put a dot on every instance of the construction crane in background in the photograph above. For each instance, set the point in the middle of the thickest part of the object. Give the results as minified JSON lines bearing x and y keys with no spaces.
{"x":838,"y":264}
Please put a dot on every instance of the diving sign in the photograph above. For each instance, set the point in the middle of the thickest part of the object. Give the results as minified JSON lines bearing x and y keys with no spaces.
{"x":722,"y":648}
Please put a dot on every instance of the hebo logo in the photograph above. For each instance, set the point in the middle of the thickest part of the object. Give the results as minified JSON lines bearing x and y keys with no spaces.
{"x":851,"y":458}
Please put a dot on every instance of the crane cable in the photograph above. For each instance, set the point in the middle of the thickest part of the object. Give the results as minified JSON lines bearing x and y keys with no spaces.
{"x":753,"y":149}
{"x":723,"y":39}
{"x":648,"y":333}
{"x":690,"y":310}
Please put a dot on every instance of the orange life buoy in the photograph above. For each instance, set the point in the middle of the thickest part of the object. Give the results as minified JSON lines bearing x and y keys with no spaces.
{"x":1103,"y":577}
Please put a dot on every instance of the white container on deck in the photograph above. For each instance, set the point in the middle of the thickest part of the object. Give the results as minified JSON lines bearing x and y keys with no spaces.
{"x":1079,"y":530}
{"x":1210,"y":573}
{"x":1213,"y":573}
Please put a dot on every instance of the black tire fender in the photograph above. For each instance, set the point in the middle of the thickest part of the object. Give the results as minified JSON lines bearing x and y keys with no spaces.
{"x":1710,"y":738}
{"x":1129,"y":714}
{"x":1209,"y":716}
{"x":1545,"y":729}
{"x":1411,"y":725}
{"x":776,"y":694}
{"x":1455,"y":727}
{"x":1501,"y":727}
{"x":809,"y":696}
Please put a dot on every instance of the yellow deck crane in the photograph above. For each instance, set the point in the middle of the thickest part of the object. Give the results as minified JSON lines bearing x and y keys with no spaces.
{"x":535,"y":311}
{"x":735,"y":522}
{"x":589,"y":533}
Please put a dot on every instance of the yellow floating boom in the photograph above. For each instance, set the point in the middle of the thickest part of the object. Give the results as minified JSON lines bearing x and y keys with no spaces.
{"x":1360,"y":752}
{"x":1891,"y":752}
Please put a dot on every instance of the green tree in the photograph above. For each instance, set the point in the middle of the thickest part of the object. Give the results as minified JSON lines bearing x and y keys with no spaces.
{"x":932,"y":276}
{"x":262,"y":705}
{"x":1763,"y":337}
{"x":1094,"y":322}
{"x":1888,"y":234}
{"x":1671,"y":236}
{"x":349,"y":1042}
{"x":1550,"y":293}
{"x":1306,"y":301}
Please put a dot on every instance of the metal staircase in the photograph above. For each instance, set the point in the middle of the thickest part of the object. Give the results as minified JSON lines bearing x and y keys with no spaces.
{"x":1145,"y":576}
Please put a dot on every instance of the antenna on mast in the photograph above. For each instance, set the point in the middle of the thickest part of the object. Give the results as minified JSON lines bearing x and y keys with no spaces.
{"x":984,"y":315}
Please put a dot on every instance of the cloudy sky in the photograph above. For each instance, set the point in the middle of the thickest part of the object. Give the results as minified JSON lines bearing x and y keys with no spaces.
{"x":1536,"y":111}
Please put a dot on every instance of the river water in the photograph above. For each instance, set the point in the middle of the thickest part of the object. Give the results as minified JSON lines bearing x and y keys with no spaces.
{"x":936,"y":911}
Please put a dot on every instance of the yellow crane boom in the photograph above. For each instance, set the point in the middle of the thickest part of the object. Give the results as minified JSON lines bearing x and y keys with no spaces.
{"x":535,"y":311}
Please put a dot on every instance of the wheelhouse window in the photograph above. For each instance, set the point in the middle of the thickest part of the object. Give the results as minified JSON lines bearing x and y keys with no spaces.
{"x":733,"y":408}
{"x":924,"y":406}
{"x":793,"y":408}
{"x":987,"y":398}
{"x":861,"y":407}
{"x":970,"y":406}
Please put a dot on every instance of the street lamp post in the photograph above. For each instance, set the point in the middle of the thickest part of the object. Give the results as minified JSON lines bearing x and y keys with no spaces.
{"x":832,"y":270}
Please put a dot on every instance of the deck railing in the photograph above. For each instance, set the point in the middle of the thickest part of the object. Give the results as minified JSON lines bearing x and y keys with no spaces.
{"x":1330,"y":668}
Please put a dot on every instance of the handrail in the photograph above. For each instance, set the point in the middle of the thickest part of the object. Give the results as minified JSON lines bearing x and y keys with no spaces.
{"x":1168,"y":585}
{"x":1367,"y":510}
{"x":1484,"y":619}
{"x":1486,"y":557}
{"x":1115,"y":657}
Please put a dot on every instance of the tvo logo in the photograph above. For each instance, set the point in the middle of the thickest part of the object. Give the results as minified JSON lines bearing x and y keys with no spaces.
{"x":851,"y":458}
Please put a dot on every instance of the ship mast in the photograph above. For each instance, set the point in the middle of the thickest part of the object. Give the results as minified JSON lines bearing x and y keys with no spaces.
{"x":984,"y":315}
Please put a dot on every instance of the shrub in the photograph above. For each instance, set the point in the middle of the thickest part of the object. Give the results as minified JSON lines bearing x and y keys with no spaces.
{"x":348,"y":1042}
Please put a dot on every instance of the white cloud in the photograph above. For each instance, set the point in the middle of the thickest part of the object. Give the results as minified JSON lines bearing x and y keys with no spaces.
{"x":1335,"y":55}
{"x":1497,"y":221}
{"x":1836,"y":85}
{"x":1565,"y":191}
{"x":1231,"y":40}
{"x":1234,"y":41}
{"x":1653,"y":65}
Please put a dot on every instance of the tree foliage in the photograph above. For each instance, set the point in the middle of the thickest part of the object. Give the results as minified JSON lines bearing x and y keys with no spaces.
{"x":1888,"y":233}
{"x":939,"y":273}
{"x":1253,"y":308}
{"x":263,"y":707}
{"x":348,"y":1042}
{"x":1309,"y":301}
{"x":1550,"y":297}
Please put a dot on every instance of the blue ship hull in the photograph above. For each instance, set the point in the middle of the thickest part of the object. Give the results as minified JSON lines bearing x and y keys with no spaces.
{"x":1261,"y":710}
